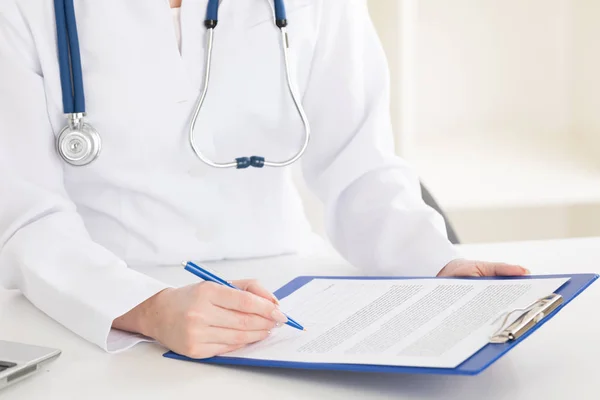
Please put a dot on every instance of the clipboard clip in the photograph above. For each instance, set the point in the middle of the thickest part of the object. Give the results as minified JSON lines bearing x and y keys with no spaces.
{"x":531,"y":315}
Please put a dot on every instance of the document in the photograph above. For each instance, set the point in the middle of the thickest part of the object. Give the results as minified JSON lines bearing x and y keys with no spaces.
{"x":436,"y":323}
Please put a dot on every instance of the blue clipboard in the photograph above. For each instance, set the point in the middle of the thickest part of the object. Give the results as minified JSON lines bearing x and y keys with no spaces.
{"x":474,"y":365}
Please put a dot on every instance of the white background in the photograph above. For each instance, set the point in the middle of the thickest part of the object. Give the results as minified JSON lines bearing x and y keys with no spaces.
{"x":497,"y":103}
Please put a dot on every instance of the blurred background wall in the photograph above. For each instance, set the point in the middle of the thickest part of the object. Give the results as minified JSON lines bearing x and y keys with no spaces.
{"x":497,"y":104}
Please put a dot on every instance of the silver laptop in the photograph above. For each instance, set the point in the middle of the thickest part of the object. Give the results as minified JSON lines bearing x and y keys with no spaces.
{"x":19,"y":361}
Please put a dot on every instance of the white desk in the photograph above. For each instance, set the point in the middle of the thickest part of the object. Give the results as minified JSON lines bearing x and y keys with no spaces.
{"x":559,"y":362}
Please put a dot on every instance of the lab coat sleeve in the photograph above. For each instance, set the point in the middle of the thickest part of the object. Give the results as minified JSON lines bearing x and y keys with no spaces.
{"x":45,"y":250}
{"x":374,"y":212}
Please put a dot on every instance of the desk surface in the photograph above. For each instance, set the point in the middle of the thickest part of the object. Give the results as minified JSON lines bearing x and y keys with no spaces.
{"x":558,"y":362}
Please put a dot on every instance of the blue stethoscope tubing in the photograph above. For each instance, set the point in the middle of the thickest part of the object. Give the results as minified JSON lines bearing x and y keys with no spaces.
{"x":212,"y":12}
{"x":79,"y":143}
{"x":69,"y":56}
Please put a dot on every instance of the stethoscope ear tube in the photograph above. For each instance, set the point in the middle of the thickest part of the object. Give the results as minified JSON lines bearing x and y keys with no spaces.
{"x":254,"y":161}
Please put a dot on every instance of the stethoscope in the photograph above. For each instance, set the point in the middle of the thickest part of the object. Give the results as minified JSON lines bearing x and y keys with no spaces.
{"x":80,"y":144}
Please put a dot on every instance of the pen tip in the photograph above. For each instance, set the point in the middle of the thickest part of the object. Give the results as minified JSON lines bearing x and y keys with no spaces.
{"x":184,"y":264}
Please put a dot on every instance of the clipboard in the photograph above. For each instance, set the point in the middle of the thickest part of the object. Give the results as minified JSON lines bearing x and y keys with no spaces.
{"x":507,"y":337}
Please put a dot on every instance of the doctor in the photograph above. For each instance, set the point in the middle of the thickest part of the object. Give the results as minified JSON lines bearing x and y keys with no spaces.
{"x":159,"y":162}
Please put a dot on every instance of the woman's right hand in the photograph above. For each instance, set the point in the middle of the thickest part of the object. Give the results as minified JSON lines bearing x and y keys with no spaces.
{"x":206,"y":319}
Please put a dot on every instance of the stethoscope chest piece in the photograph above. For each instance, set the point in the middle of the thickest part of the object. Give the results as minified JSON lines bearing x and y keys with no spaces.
{"x":78,"y":143}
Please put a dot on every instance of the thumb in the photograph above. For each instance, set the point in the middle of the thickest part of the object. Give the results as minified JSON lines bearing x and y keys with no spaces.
{"x":254,"y":287}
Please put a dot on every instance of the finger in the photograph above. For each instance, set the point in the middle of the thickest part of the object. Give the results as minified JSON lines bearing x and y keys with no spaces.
{"x":224,"y":318}
{"x":233,"y":336}
{"x":212,"y":350}
{"x":501,"y":269}
{"x":253,"y":286}
{"x":245,"y":302}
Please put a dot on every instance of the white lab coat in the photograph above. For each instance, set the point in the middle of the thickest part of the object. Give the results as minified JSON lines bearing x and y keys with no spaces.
{"x":69,"y":235}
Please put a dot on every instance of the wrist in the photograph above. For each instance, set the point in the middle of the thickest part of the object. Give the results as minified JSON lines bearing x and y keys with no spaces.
{"x":150,"y":319}
{"x":144,"y":318}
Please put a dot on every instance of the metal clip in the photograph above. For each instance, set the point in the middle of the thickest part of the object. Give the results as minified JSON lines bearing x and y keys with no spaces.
{"x":75,"y":120}
{"x":531,"y":315}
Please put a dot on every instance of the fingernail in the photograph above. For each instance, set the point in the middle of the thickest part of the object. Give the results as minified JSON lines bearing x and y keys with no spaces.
{"x":275,"y":299}
{"x":279,"y":316}
{"x":277,"y":325}
{"x":268,"y":332}
{"x":526,"y":271}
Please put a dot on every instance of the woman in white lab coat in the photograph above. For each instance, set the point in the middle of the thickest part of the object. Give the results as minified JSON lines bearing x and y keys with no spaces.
{"x":69,"y":235}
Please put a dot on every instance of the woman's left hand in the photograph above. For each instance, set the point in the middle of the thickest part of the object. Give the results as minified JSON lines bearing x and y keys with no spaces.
{"x":468,"y":268}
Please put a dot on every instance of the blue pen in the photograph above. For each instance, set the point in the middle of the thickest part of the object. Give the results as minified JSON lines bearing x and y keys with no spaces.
{"x":210,"y":277}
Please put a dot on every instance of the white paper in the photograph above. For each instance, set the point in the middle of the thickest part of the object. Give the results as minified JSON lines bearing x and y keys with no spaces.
{"x":420,"y":323}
